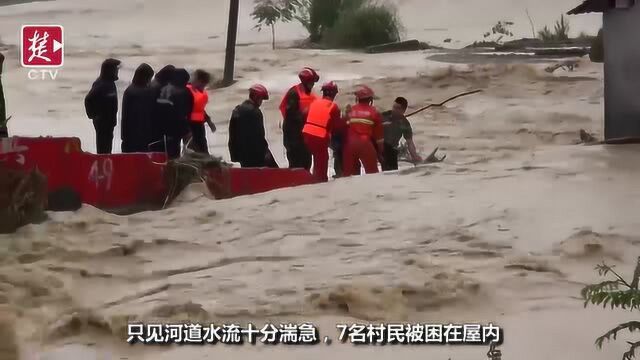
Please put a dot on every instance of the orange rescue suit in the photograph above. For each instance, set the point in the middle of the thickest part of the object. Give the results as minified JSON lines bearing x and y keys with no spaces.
{"x":305,"y":101}
{"x":319,"y":119}
{"x":365,"y":124}
{"x":200,"y":100}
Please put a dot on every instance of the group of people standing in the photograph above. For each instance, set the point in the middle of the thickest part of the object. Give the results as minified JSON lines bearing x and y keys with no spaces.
{"x":158,"y":113}
{"x":359,"y":137}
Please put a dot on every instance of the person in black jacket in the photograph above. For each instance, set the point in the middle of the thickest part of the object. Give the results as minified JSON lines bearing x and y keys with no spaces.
{"x":247,"y":143}
{"x":162,"y":78}
{"x":101,"y":105}
{"x":173,"y":108}
{"x":137,"y":107}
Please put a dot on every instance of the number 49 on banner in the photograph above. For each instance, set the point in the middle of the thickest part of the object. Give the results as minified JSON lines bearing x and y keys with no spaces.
{"x":42,"y":46}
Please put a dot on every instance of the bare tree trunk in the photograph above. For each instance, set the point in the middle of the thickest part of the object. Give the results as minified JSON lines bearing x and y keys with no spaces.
{"x":533,"y":28}
{"x":273,"y":36}
{"x":3,"y":108}
{"x":232,"y":33}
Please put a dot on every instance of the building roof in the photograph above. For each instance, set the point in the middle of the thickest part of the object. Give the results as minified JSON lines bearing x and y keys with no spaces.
{"x":589,"y":6}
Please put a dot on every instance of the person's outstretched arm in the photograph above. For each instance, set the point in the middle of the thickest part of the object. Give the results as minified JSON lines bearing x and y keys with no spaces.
{"x":212,"y":126}
{"x":407,"y":133}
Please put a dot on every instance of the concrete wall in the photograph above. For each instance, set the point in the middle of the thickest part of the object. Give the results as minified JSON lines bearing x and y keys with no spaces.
{"x":622,"y":72}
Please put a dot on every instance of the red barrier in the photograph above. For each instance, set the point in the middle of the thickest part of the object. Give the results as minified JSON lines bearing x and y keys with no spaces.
{"x":248,"y":181}
{"x":129,"y":181}
{"x":120,"y":181}
{"x":47,"y":154}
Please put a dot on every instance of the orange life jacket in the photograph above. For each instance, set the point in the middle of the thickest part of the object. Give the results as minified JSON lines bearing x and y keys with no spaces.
{"x":319,"y":117}
{"x":305,"y":101}
{"x":200,"y":100}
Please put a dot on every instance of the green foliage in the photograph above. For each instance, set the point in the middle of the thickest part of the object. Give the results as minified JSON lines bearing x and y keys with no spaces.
{"x":303,"y":16}
{"x":616,"y":293}
{"x":270,"y":12}
{"x":364,"y":25}
{"x":349,"y":23}
{"x":499,"y":31}
{"x":560,"y":31}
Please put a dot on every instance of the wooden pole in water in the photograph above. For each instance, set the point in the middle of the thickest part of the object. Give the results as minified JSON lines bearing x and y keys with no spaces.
{"x":3,"y":109}
{"x":232,"y":32}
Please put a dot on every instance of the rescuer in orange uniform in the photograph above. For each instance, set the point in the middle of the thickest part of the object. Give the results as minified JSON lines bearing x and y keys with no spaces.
{"x":323,"y":119}
{"x":294,"y":108}
{"x":198,"y":116}
{"x":365,"y":125}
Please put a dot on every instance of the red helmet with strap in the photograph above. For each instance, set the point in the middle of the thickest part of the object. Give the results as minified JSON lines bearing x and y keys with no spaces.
{"x":259,"y":91}
{"x":364,"y":92}
{"x":330,"y":87}
{"x":308,"y":75}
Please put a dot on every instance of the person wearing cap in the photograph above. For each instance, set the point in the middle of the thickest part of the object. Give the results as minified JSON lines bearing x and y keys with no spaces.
{"x":323,"y":119}
{"x":364,"y":124}
{"x":101,"y":105}
{"x":294,"y":108}
{"x":247,"y":141}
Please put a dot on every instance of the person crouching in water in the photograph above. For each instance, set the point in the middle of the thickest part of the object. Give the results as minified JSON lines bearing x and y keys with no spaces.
{"x":198,"y":89}
{"x":324,"y":116}
{"x":247,"y":142}
{"x":397,"y":126}
{"x":364,"y":124}
{"x":137,"y":112}
{"x":174,"y":107}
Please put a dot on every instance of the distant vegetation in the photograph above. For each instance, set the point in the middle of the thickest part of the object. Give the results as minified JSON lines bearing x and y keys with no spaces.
{"x":334,"y":23}
{"x":618,"y":294}
{"x":559,"y":33}
{"x":366,"y":25}
{"x":499,"y":31}
{"x":501,"y":37}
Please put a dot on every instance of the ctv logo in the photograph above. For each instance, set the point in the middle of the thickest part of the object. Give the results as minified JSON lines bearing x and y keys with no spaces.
{"x":42,"y":49}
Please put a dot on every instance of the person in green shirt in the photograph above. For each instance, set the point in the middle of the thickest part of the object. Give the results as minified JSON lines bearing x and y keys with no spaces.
{"x":397,"y":126}
{"x":3,"y":109}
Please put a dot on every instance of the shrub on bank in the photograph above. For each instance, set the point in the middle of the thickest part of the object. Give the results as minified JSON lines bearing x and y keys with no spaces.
{"x":348,"y":23}
{"x":363,"y":23}
{"x":559,"y":33}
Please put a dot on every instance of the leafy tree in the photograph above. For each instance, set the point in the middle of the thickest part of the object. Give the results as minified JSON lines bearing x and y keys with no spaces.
{"x":270,"y":12}
{"x":617,"y":293}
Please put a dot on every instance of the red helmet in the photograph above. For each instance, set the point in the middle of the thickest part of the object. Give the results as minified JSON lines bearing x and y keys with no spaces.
{"x":330,"y":87}
{"x":308,"y":75}
{"x":259,"y":91}
{"x":364,"y":92}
